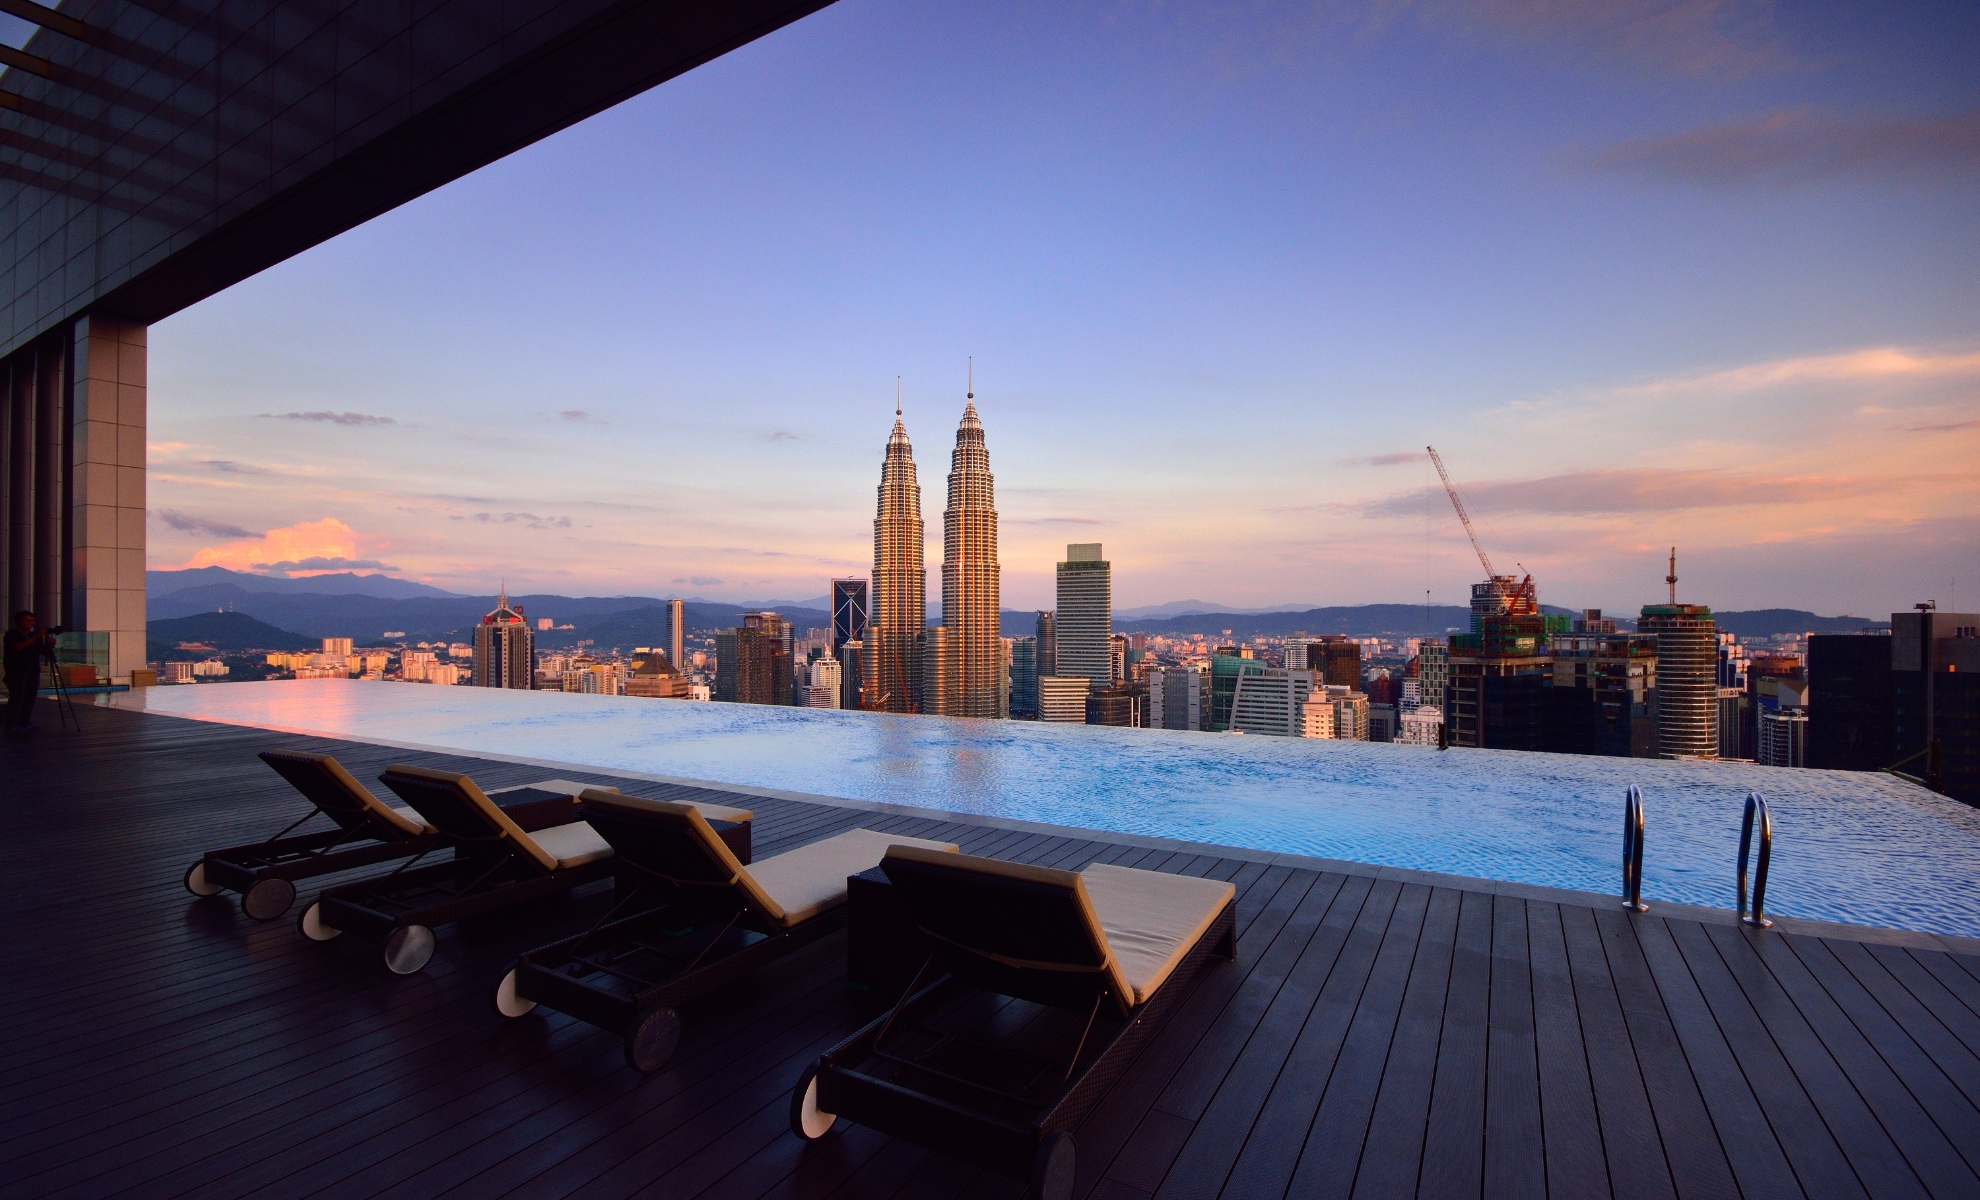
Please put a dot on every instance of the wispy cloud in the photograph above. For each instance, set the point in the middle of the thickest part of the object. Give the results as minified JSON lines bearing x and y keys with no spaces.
{"x":1052,"y":521}
{"x":1390,"y":460}
{"x":230,"y":467}
{"x":781,"y":435}
{"x":187,"y":523}
{"x":699,"y":580}
{"x":332,"y":418}
{"x":1876,"y":363}
{"x":1643,"y":490}
{"x":526,"y":520}
{"x":1954,"y":427}
{"x":319,"y":564}
{"x":1797,"y":145}
{"x":575,"y":414}
{"x":1681,"y":37}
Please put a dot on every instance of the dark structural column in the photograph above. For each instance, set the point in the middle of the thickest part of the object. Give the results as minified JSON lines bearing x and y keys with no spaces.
{"x":105,"y":577}
{"x":48,"y":483}
{"x":20,"y":482}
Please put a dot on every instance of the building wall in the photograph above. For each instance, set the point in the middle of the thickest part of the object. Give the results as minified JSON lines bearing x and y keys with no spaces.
{"x":1271,"y":701}
{"x":972,"y":603}
{"x":1783,"y":738}
{"x":1024,"y":678}
{"x":1175,"y":698}
{"x":1851,"y":705}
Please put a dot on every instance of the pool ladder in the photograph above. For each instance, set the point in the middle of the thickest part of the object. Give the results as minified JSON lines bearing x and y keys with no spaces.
{"x":1632,"y":896}
{"x":1756,"y":805}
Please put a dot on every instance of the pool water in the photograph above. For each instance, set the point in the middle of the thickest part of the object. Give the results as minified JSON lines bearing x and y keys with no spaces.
{"x":1848,"y":846}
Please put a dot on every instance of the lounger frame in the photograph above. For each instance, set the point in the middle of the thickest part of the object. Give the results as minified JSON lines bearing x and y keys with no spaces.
{"x":485,"y":875}
{"x":850,"y":1085}
{"x":667,"y":954}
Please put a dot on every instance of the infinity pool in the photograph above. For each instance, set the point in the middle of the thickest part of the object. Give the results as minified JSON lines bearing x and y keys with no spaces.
{"x":1848,"y":846}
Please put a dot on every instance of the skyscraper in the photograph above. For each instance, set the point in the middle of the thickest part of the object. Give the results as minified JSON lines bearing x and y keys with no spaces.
{"x":900,"y":581}
{"x":1024,"y":678}
{"x":1048,"y":644}
{"x":849,"y":616}
{"x":504,"y":648}
{"x":1687,"y":678}
{"x":677,"y":633}
{"x":971,"y":577}
{"x":1085,"y":616}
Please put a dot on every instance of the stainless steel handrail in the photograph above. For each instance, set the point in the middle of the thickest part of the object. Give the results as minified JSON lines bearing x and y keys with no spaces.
{"x":1633,"y":851}
{"x":1755,"y":802}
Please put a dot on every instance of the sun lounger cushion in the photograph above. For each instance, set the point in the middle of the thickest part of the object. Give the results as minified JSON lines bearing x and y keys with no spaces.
{"x":1151,"y":919}
{"x":712,"y":812}
{"x":810,"y":879}
{"x":470,"y":813}
{"x":572,"y":845}
{"x":411,"y":817}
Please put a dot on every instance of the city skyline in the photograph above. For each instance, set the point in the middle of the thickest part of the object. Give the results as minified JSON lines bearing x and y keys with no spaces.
{"x":1710,"y":284}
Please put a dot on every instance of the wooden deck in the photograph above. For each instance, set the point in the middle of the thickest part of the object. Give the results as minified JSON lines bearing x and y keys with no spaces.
{"x":1375,"y":1038}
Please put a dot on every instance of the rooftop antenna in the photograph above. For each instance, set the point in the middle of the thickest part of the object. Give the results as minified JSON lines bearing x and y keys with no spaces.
{"x":972,"y":378}
{"x":1672,"y":578}
{"x":897,"y":397}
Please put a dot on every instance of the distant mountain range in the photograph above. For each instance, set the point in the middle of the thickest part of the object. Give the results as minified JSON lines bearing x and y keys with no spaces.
{"x":366,"y":607}
{"x":166,"y":583}
{"x":230,"y":631}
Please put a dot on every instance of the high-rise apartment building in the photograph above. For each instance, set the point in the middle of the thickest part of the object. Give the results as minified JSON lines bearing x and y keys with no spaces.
{"x":1117,"y":657}
{"x":1024,"y":678}
{"x":1336,"y":659}
{"x":1783,"y":738}
{"x":849,"y":612}
{"x":971,"y":577}
{"x":1176,"y":698}
{"x":338,"y":647}
{"x":752,"y":664}
{"x":900,"y":582}
{"x":1935,"y":697}
{"x":1496,"y":693}
{"x":1272,"y":702}
{"x":1603,"y":695}
{"x":1433,"y":672}
{"x":1063,"y":698}
{"x":677,"y":633}
{"x":1084,"y":620}
{"x":504,"y":648}
{"x":823,"y":688}
{"x":1687,"y":678}
{"x":1048,"y":644}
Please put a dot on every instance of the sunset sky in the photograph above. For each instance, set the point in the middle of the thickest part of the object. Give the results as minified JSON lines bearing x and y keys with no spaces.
{"x":1701,"y":272}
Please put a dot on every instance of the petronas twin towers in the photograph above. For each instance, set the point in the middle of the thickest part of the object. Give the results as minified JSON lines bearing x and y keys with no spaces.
{"x":955,"y":669}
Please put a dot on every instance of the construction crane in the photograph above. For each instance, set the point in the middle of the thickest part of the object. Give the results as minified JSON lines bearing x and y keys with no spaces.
{"x":1463,"y":516}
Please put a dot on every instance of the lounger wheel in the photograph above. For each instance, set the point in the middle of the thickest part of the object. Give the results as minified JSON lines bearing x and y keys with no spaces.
{"x":196,"y":881}
{"x":1052,"y":1167}
{"x":408,"y":949}
{"x":310,"y":924}
{"x":806,"y":1121}
{"x":268,"y":899}
{"x":507,"y":1002}
{"x":651,"y":1040}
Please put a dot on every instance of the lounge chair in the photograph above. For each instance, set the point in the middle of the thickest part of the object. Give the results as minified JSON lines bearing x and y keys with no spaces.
{"x":496,"y":865}
{"x":367,"y":831}
{"x":1116,"y":948}
{"x":690,"y":918}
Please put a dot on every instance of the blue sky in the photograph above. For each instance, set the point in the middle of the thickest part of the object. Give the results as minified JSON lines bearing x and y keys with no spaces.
{"x":1692,"y":273}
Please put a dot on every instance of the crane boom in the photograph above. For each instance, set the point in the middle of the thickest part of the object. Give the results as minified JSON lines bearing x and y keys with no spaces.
{"x":1463,"y":516}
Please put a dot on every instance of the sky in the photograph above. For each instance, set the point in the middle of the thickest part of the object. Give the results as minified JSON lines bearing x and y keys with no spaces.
{"x":1702,"y":273}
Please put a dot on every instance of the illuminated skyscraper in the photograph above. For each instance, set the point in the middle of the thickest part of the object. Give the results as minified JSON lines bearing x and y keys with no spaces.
{"x":971,"y":578}
{"x":677,"y":633}
{"x":900,"y":581}
{"x":504,"y":648}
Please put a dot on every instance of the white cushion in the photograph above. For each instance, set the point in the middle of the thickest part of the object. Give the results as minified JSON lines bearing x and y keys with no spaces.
{"x":1151,"y":919}
{"x":412,"y":815}
{"x":709,"y":812}
{"x":810,"y":879}
{"x":572,"y":845}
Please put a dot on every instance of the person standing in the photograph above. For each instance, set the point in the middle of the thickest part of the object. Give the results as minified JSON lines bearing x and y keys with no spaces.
{"x":25,"y":646}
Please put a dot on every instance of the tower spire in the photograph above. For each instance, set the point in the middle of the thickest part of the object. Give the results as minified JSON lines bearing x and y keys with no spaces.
{"x":897,"y":397}
{"x":972,"y":378}
{"x":1672,"y":578}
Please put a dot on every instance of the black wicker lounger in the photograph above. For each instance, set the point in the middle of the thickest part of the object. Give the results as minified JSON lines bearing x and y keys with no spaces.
{"x":1113,"y":947}
{"x":496,"y":865}
{"x":689,"y":919}
{"x":368,"y":831}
